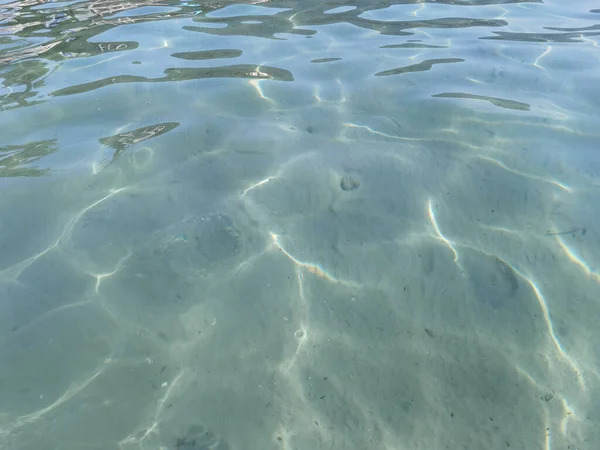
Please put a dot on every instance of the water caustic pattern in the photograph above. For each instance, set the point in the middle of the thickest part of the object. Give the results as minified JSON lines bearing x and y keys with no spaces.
{"x":299,"y":225}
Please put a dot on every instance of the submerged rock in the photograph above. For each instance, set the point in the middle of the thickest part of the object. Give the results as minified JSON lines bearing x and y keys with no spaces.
{"x":198,"y":244}
{"x":197,"y":437}
{"x":349,"y":182}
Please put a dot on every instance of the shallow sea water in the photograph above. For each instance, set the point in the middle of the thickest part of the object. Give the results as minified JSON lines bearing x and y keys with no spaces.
{"x":299,"y":225}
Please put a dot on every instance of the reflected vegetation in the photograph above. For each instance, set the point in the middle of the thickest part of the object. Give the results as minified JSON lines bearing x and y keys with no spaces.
{"x":562,"y":37}
{"x":122,"y":141}
{"x":40,"y":38}
{"x":420,"y":67}
{"x":185,"y":74}
{"x":209,"y":54}
{"x":412,"y":45}
{"x":325,"y":60}
{"x":17,"y":160}
{"x":44,"y":34}
{"x":21,"y":83}
{"x":502,"y":103}
{"x":66,"y":32}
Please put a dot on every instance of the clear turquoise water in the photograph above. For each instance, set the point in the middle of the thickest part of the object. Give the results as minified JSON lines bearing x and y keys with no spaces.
{"x":299,"y":225}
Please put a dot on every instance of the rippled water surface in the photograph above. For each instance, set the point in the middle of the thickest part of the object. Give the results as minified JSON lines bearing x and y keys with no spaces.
{"x":299,"y":225}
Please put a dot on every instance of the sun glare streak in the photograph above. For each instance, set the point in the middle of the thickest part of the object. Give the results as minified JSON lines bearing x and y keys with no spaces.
{"x":371,"y":130}
{"x":302,"y":333}
{"x":576,"y":259}
{"x":16,"y":270}
{"x":524,"y":174}
{"x":315,"y":269}
{"x":436,"y":227}
{"x":255,"y":185}
{"x":542,"y":303}
{"x":72,"y":391}
{"x":538,"y":59}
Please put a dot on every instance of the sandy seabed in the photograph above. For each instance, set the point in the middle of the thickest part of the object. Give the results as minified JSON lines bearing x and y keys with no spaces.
{"x":356,"y":291}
